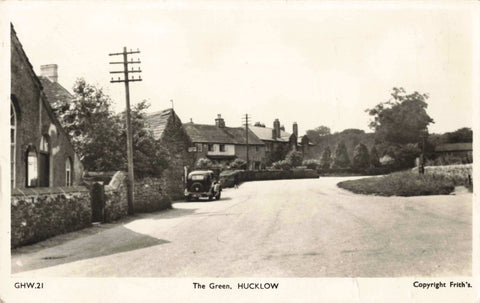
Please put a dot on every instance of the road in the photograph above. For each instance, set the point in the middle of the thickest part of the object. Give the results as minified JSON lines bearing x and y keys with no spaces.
{"x":284,"y":228}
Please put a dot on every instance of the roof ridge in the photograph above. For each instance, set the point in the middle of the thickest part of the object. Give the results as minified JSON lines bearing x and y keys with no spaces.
{"x":159,"y":112}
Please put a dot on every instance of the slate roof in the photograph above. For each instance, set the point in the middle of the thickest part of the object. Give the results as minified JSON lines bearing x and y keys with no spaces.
{"x":452,"y":147}
{"x":55,"y":92}
{"x":158,"y":121}
{"x":265,"y":134}
{"x":201,"y":133}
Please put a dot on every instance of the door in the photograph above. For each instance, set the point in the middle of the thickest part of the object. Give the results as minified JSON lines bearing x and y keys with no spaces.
{"x":44,"y":170}
{"x":98,"y":202}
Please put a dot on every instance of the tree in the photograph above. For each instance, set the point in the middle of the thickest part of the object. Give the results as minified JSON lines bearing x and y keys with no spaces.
{"x":340,"y":158}
{"x":99,"y":136}
{"x":149,"y":156}
{"x":402,"y":119}
{"x":315,"y":134}
{"x":361,"y":158}
{"x":461,"y":135}
{"x":295,"y":158}
{"x":326,"y":158}
{"x":374,"y":159}
{"x":204,"y":163}
{"x":93,"y":129}
{"x":259,"y":124}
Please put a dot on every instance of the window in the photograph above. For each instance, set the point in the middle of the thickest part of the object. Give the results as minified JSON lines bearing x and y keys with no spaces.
{"x":199,"y":147}
{"x":32,"y":169}
{"x":13,"y":142}
{"x":68,"y":172}
{"x":256,"y":148}
{"x":210,"y":147}
{"x":222,"y":147}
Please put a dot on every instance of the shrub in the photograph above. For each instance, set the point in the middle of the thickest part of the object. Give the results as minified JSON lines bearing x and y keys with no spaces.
{"x":294,"y":158}
{"x":404,"y":183}
{"x":406,"y":154}
{"x":361,"y":158}
{"x":311,"y":163}
{"x":449,"y":159}
{"x":326,"y":158}
{"x":340,"y":158}
{"x":204,"y":163}
{"x":374,"y":160}
{"x":238,"y":164}
{"x":282,"y":164}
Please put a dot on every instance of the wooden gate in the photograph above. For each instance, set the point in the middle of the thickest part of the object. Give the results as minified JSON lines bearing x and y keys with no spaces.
{"x":98,"y":202}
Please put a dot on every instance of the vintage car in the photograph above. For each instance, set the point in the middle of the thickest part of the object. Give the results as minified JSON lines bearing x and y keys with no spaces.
{"x":202,"y":183}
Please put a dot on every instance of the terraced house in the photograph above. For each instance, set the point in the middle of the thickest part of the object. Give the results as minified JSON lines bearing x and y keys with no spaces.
{"x":277,"y":141}
{"x":222,"y":144}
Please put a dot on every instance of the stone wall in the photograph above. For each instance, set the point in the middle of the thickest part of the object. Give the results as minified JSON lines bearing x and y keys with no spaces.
{"x":116,"y":205}
{"x":151,"y":195}
{"x":460,"y":174}
{"x":37,"y":214}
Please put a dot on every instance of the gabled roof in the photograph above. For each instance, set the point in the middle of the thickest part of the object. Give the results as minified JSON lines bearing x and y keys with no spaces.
{"x":158,"y":121}
{"x":451,"y":147}
{"x":17,"y":46}
{"x":201,"y":133}
{"x":55,"y":92}
{"x":265,"y":134}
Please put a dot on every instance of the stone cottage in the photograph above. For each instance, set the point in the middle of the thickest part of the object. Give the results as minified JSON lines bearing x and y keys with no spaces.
{"x":222,"y":144}
{"x":277,"y":141}
{"x":168,"y":129}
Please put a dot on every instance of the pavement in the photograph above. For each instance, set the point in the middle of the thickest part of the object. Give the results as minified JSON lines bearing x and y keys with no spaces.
{"x":283,"y":228}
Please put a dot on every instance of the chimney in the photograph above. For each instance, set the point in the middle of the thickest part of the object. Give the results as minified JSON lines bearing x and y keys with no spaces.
{"x":219,"y":121}
{"x":295,"y":129}
{"x":276,"y":127}
{"x":49,"y":71}
{"x":274,"y":134}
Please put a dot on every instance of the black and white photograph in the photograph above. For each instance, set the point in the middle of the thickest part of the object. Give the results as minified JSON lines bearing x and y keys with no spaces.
{"x":271,"y":151}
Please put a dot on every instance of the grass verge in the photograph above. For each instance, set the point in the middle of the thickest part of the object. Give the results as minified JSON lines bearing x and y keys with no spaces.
{"x":404,"y":183}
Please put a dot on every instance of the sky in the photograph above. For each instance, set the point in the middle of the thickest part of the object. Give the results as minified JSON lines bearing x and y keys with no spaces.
{"x":303,"y":62}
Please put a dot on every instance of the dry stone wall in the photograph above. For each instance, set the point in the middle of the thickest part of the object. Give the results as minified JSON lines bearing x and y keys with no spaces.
{"x":37,"y":214}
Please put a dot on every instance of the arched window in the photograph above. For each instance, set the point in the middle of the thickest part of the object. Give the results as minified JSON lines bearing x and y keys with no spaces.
{"x":68,"y":172}
{"x":13,"y":142}
{"x":44,"y":162}
{"x":32,"y":169}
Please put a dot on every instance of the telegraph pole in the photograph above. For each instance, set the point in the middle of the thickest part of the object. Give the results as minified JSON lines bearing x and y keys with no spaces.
{"x":246,"y":136}
{"x":126,"y":79}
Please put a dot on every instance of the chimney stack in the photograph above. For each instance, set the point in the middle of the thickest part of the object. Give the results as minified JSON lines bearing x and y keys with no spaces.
{"x":276,"y":127}
{"x":295,"y":129}
{"x":49,"y":71}
{"x":219,"y":121}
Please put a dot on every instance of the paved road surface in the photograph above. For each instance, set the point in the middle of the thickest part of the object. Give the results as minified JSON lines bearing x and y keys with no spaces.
{"x":285,"y":228}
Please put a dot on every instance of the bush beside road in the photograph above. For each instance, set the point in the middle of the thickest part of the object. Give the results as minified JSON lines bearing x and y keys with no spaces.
{"x":404,"y":183}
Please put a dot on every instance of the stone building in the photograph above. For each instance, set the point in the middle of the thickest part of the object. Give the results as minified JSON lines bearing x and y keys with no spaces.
{"x":168,"y":129}
{"x":222,"y":144}
{"x":277,"y":141}
{"x":46,"y":196}
{"x":41,"y":152}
